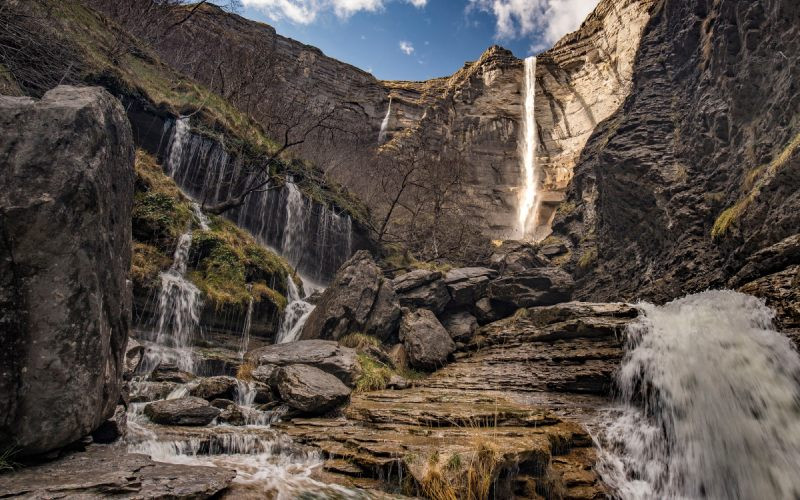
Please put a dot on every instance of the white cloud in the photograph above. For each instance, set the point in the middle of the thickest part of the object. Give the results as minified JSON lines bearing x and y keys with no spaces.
{"x":548,"y":19}
{"x":306,"y":11}
{"x":406,"y":48}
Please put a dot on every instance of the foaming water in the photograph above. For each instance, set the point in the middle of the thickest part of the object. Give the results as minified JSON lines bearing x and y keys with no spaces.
{"x":295,"y":316}
{"x":709,"y":404}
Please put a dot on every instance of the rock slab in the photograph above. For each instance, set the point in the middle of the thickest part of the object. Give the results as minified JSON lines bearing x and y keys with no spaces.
{"x":189,"y":411}
{"x":66,"y":193}
{"x":325,"y":355}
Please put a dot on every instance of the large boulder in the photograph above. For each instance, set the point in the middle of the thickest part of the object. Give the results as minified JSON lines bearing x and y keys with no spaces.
{"x":190,"y":411}
{"x":535,"y":287}
{"x":461,"y":325}
{"x":516,"y":257}
{"x":310,"y":390}
{"x":211,"y":388}
{"x":66,"y":192}
{"x":427,"y":343}
{"x":468,"y":285}
{"x":422,"y":289}
{"x":359,"y":299}
{"x":325,"y":355}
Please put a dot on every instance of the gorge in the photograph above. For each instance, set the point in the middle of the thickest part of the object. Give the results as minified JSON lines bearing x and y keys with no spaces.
{"x":234,"y":267}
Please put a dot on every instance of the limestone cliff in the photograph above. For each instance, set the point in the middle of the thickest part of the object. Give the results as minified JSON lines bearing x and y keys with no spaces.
{"x":695,"y":177}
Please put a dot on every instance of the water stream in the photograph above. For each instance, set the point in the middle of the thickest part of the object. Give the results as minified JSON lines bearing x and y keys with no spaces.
{"x":385,"y":123}
{"x":709,"y":404}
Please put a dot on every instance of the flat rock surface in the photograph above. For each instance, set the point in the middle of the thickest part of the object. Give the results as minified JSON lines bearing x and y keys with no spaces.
{"x":107,"y":471}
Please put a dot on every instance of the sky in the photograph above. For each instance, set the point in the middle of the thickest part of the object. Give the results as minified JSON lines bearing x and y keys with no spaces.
{"x":420,"y":39}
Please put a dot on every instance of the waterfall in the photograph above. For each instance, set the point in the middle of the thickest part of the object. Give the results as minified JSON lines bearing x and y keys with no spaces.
{"x":178,"y":311}
{"x":295,"y":316}
{"x":527,"y":199}
{"x":296,"y":212}
{"x":709,"y":404}
{"x":385,"y":123}
{"x":179,"y":136}
{"x":248,"y":323}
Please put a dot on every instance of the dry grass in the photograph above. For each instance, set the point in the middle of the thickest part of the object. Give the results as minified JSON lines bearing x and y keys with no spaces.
{"x":245,"y":371}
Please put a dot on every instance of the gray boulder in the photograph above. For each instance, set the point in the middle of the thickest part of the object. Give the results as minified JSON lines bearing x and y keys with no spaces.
{"x":168,"y":372}
{"x":468,"y":285}
{"x":515,"y":257}
{"x":145,"y":391}
{"x":535,"y":287}
{"x":66,"y":192}
{"x":234,"y":414}
{"x":461,"y":325}
{"x":310,"y":390}
{"x":422,"y":289}
{"x":427,"y":343}
{"x":210,"y":388}
{"x":325,"y":355}
{"x":359,"y":299}
{"x":189,"y":411}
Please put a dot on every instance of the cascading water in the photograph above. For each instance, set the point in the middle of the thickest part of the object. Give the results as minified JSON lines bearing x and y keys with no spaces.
{"x":527,"y":198}
{"x":385,"y":123}
{"x":248,"y":324}
{"x":296,"y":212}
{"x":179,"y":137}
{"x":709,"y":406}
{"x":295,"y":316}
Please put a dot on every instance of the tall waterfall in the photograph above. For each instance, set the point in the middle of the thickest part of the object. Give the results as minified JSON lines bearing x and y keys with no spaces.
{"x":385,"y":122}
{"x":296,"y":211}
{"x":710,"y":404}
{"x":527,"y":198}
{"x":179,"y":137}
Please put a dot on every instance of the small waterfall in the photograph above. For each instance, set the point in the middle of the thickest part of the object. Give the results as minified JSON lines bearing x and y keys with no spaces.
{"x":202,"y":219}
{"x":179,"y":136}
{"x":385,"y":123}
{"x":296,"y":213}
{"x":295,"y":316}
{"x":248,"y":323}
{"x":527,"y":199}
{"x":710,"y":404}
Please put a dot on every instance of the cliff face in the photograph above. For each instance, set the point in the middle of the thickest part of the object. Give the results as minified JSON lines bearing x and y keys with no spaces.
{"x":698,"y":170}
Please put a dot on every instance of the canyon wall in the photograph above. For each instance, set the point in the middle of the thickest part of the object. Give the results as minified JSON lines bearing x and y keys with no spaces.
{"x":692,"y":183}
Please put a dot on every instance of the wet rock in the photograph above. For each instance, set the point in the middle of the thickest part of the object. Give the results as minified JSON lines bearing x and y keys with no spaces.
{"x":426,"y":342}
{"x":182,"y":411}
{"x":145,"y":391}
{"x":234,"y":414}
{"x":114,"y":428}
{"x":134,"y":355}
{"x":422,"y":289}
{"x":359,"y":299}
{"x":326,"y":355}
{"x":222,"y":403}
{"x":781,"y":291}
{"x":107,"y":471}
{"x":310,"y":390}
{"x":266,"y":373}
{"x":170,"y":373}
{"x":214,"y":388}
{"x":461,"y":325}
{"x":66,"y":193}
{"x":468,"y":285}
{"x":770,"y":260}
{"x":534,"y":287}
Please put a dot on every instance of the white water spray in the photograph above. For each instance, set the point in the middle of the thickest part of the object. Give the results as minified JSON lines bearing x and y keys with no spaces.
{"x":385,"y":123}
{"x":248,"y":324}
{"x":710,"y":404}
{"x":296,"y":212}
{"x":527,"y":198}
{"x":179,"y":136}
{"x":295,"y":316}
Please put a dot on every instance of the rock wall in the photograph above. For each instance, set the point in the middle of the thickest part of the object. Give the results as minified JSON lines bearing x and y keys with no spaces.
{"x":699,"y":168}
{"x":65,"y":248}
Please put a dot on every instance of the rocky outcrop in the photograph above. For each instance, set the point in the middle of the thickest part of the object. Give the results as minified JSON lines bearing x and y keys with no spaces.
{"x":359,"y":299}
{"x":65,"y":247}
{"x":325,"y":355}
{"x":182,"y":411}
{"x":698,"y":169}
{"x":422,"y":289}
{"x":781,"y":291}
{"x":468,"y":285}
{"x":536,"y":287}
{"x":427,"y":343}
{"x":105,"y":471}
{"x":309,"y":390}
{"x":461,"y":325}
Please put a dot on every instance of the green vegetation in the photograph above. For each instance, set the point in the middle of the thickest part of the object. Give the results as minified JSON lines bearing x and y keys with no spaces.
{"x":7,"y":463}
{"x":587,"y":259}
{"x":754,"y":182}
{"x":359,"y":341}
{"x":454,"y":462}
{"x":374,"y":375}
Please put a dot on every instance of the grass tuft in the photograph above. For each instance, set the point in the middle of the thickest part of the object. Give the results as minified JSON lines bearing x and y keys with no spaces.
{"x":374,"y":375}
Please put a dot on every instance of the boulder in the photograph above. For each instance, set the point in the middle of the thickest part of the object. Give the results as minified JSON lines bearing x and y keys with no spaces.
{"x":66,"y":193}
{"x":310,"y":390}
{"x":326,"y":355}
{"x":515,"y":257}
{"x":134,"y":356}
{"x":167,"y":372}
{"x":487,"y":312}
{"x":535,"y":287}
{"x":426,"y":342}
{"x":190,"y":411}
{"x":422,"y":289}
{"x":359,"y":299}
{"x":468,"y":285}
{"x":114,"y":428}
{"x":234,"y":414}
{"x":265,"y":374}
{"x":145,"y":391}
{"x":211,"y":388}
{"x":222,"y":403}
{"x":461,"y":325}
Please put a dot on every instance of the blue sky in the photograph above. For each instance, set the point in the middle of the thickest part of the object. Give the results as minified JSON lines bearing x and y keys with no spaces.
{"x":419,"y":39}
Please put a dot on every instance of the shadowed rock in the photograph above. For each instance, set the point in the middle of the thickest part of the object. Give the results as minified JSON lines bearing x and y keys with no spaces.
{"x":468,"y":285}
{"x":422,"y":289}
{"x":461,"y":325}
{"x":182,"y":411}
{"x":534,"y":287}
{"x":427,"y":343}
{"x":214,"y":388}
{"x":66,"y":193}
